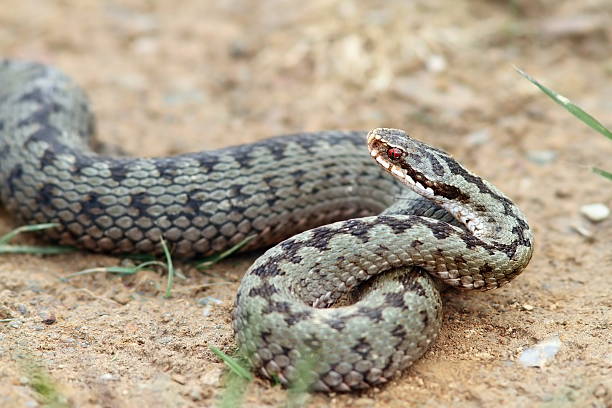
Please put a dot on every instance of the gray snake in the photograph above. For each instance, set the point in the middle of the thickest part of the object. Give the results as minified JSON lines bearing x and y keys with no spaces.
{"x":314,"y":195}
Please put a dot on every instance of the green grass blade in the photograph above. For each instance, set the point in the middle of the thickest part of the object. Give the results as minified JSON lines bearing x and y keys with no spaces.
{"x":569,"y":106}
{"x":139,"y":257}
{"x":26,"y":228}
{"x":170,"y":268}
{"x":232,"y":364}
{"x":45,"y":388}
{"x":211,"y":260}
{"x":602,"y":173}
{"x":36,"y":250}
{"x":120,"y":270}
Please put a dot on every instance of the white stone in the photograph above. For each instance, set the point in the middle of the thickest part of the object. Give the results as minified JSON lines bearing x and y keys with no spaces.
{"x":595,"y":212}
{"x":541,"y":353}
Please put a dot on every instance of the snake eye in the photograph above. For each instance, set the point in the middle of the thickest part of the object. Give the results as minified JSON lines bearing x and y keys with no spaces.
{"x":395,"y":153}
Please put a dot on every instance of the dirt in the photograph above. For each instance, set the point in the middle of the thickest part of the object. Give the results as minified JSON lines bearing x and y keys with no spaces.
{"x":169,"y":77}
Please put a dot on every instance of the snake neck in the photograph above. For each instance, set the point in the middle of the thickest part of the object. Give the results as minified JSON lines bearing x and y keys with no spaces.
{"x":486,"y":213}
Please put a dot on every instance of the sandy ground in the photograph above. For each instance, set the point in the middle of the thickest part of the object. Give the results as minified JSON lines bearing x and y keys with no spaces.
{"x":168,"y":77}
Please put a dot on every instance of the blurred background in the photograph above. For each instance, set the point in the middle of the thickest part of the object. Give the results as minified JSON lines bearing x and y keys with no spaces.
{"x":168,"y":77}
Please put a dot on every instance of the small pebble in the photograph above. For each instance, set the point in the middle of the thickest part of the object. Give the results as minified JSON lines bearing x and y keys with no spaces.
{"x":127,"y":263}
{"x":364,"y":402}
{"x":541,"y":353}
{"x":179,"y":379}
{"x":483,"y":355}
{"x":15,"y":324}
{"x":436,"y":63}
{"x":209,"y":300}
{"x":563,"y":193}
{"x":195,"y":394}
{"x":600,"y":391}
{"x":165,"y":339}
{"x":582,"y":230}
{"x":479,"y":137}
{"x":107,"y":377}
{"x":527,"y":307}
{"x":211,"y":377}
{"x":542,"y":157}
{"x":22,"y":309}
{"x":595,"y":212}
{"x":47,"y":317}
{"x":123,"y":297}
{"x":240,"y":49}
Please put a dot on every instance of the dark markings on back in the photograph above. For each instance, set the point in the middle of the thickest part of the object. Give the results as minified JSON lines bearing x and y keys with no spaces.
{"x":91,"y":204}
{"x":14,"y":175}
{"x":291,"y":247}
{"x":336,"y":323}
{"x":362,"y":347}
{"x":395,"y":299}
{"x":268,"y":269}
{"x":373,"y":313}
{"x":398,"y":226}
{"x":399,"y":331}
{"x":435,"y":164}
{"x":416,"y":243}
{"x":424,"y":317}
{"x":290,"y":317}
{"x":295,"y":174}
{"x":265,"y":290}
{"x":207,"y":161}
{"x":320,"y":238}
{"x":411,"y":283}
{"x":357,"y":228}
{"x":41,"y":116}
{"x":46,"y":193}
{"x":35,"y":95}
{"x":118,"y":170}
{"x":48,"y":158}
{"x":440,"y":230}
{"x":486,"y":270}
{"x":81,"y":162}
{"x":47,"y":134}
{"x":166,"y":167}
{"x":277,"y":150}
{"x":140,"y":201}
{"x":4,"y":151}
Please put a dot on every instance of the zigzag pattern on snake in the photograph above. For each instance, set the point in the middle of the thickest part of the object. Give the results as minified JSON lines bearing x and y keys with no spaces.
{"x":437,"y":220}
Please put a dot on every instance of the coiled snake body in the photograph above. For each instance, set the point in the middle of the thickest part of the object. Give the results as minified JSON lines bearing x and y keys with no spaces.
{"x":437,"y":217}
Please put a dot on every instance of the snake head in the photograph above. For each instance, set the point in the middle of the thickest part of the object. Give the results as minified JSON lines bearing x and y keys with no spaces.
{"x":428,"y":171}
{"x":414,"y":163}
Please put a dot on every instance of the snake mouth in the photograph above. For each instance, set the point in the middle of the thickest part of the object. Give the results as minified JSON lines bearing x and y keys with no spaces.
{"x":422,"y":187}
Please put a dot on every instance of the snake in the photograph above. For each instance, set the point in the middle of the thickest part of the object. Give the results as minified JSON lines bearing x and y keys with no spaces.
{"x":363,"y":229}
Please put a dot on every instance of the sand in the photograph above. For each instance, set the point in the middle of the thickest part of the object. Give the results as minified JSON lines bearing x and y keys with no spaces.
{"x":169,"y":77}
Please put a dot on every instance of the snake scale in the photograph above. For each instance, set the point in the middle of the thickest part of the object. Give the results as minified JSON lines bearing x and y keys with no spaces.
{"x":315,"y":195}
